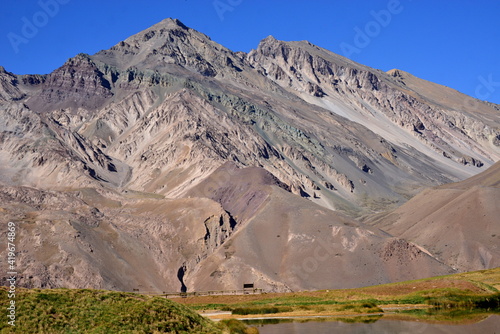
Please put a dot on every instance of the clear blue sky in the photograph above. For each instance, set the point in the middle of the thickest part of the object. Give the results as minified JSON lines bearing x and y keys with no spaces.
{"x":454,"y":43}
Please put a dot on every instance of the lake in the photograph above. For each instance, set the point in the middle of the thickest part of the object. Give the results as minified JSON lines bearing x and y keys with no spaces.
{"x":483,"y":325}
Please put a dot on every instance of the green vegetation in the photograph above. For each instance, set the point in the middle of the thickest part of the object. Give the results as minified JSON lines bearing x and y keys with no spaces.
{"x":365,"y":319}
{"x":454,"y":315}
{"x":457,"y":308}
{"x":456,"y":301}
{"x":95,"y":311}
{"x":260,"y":310}
{"x":361,"y":319}
{"x":474,"y":290}
{"x":363,"y":307}
{"x":238,"y":327}
{"x":464,"y":297}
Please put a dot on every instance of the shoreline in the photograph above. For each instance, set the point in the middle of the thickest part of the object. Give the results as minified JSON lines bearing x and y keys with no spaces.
{"x":224,"y":315}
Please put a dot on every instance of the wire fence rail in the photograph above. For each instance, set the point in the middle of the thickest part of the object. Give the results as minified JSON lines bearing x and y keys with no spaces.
{"x":165,"y":294}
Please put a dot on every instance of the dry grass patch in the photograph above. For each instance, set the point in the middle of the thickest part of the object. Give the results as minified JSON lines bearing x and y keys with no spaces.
{"x":422,"y":293}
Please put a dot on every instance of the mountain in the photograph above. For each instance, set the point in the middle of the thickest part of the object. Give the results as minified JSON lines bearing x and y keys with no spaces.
{"x":457,"y":222}
{"x":169,"y":158}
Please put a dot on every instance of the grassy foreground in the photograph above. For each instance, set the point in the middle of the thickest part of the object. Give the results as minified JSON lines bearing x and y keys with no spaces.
{"x":474,"y":290}
{"x":96,"y":311}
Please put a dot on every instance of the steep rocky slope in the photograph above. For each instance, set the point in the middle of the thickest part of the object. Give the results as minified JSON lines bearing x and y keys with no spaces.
{"x":279,"y":241}
{"x":290,"y":244}
{"x":458,"y":222}
{"x":90,"y":238}
{"x":169,"y":158}
{"x":403,"y":109}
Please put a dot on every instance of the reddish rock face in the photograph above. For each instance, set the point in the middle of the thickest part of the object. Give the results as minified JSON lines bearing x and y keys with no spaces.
{"x":76,"y":84}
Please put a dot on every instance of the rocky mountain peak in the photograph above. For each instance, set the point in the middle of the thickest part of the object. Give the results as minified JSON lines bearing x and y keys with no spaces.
{"x":270,"y":46}
{"x":170,"y":46}
{"x":166,"y":31}
{"x":268,"y":40}
{"x":8,"y":86}
{"x":78,"y":83}
{"x":169,"y":23}
{"x":395,"y":72}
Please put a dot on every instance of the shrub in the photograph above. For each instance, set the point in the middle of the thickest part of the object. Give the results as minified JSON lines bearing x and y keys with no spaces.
{"x":238,"y":327}
{"x":261,"y":310}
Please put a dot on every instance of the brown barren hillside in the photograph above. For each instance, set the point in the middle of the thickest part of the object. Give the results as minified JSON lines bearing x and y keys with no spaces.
{"x":457,"y":222}
{"x":285,"y":242}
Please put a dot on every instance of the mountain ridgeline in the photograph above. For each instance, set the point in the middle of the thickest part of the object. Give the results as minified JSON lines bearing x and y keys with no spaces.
{"x":170,"y":162}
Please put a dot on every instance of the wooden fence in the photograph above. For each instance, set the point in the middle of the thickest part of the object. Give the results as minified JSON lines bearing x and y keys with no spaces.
{"x":201,"y":293}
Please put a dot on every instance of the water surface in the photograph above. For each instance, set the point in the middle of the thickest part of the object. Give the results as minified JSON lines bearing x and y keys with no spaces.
{"x":490,"y":324}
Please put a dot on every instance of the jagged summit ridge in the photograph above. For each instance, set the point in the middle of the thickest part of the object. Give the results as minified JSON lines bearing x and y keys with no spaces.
{"x":275,"y":46}
{"x":169,"y":23}
{"x":310,"y":70}
{"x":170,"y":44}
